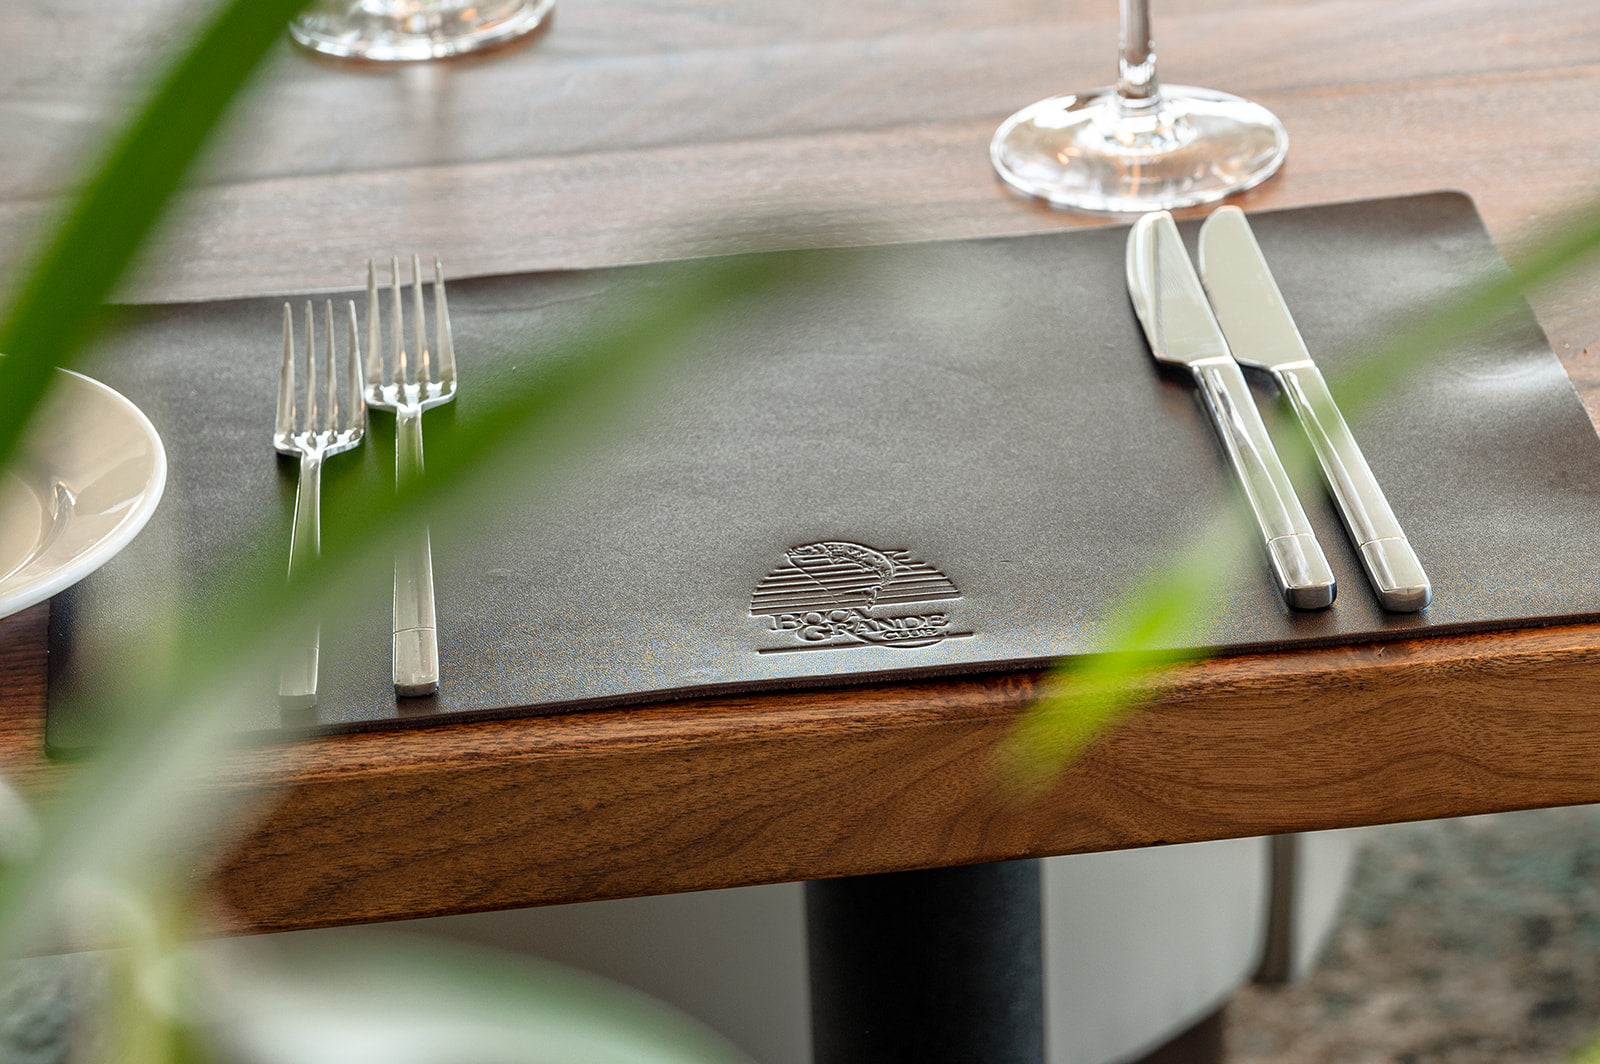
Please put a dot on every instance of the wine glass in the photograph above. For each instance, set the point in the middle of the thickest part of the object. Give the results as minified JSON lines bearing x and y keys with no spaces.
{"x":1138,"y":146}
{"x":385,"y":30}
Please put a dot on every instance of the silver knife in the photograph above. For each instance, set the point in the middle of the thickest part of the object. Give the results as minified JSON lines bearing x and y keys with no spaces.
{"x":1181,"y":329}
{"x":1262,"y":334}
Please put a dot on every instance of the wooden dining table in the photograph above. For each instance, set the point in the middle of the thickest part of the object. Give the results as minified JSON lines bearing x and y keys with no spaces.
{"x":642,"y":130}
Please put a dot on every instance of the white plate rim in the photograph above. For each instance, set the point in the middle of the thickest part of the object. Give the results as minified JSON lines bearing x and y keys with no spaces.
{"x":30,"y":593}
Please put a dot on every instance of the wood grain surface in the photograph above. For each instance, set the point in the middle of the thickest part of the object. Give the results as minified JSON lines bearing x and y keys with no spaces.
{"x":646,"y":129}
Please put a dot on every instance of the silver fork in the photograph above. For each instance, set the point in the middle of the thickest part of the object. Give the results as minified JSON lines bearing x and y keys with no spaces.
{"x":409,"y":383}
{"x":312,"y":424}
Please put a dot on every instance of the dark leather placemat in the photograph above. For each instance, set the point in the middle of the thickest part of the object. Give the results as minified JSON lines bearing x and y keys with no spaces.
{"x":954,"y":463}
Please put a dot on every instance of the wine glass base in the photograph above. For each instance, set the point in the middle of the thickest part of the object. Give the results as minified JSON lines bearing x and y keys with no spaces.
{"x":387,"y":31}
{"x":1084,"y":152}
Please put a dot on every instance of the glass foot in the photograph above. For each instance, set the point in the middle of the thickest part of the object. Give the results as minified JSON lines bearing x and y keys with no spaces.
{"x":390,"y":30}
{"x":1089,"y":153}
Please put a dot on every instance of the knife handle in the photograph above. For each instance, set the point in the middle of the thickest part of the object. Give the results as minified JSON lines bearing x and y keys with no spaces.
{"x":1392,"y":566}
{"x":1298,"y":564}
{"x":416,"y":639}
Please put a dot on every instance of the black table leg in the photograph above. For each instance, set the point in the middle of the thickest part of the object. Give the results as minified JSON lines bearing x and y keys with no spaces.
{"x":938,"y":967}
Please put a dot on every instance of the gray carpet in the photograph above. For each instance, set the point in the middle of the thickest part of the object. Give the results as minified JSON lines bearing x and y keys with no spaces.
{"x":1462,"y":941}
{"x":42,"y":1006}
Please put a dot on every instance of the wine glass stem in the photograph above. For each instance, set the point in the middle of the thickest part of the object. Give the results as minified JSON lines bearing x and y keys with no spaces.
{"x":1138,"y":89}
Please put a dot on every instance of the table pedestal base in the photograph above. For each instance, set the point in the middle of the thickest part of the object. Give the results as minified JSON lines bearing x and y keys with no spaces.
{"x":944,"y":966}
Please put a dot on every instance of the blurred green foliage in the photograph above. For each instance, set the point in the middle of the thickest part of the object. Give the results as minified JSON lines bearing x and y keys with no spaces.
{"x":109,"y":845}
{"x":1085,"y":697}
{"x":111,"y":859}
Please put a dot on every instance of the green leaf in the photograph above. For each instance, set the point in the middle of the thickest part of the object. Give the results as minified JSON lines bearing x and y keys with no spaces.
{"x":1588,"y":1053}
{"x":56,"y":309}
{"x":133,"y":809}
{"x":1087,"y":696}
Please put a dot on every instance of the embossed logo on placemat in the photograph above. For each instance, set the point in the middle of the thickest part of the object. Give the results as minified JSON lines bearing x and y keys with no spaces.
{"x":836,"y":594}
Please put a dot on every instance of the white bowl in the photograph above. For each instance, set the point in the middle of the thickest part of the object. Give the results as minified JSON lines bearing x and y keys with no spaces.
{"x":86,"y":478}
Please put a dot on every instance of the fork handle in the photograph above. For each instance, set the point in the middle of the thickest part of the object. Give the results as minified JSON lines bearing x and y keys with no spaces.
{"x":416,"y":639}
{"x":297,"y":679}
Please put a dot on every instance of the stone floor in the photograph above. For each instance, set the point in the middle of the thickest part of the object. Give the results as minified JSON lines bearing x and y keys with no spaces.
{"x":1463,"y":942}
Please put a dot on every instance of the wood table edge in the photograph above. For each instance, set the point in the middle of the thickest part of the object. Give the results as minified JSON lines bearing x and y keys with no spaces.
{"x":772,"y":787}
{"x":888,"y":777}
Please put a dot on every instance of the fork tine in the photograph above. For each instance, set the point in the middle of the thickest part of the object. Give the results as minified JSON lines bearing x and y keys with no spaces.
{"x":441,"y":323}
{"x":374,"y":354}
{"x":309,"y":420}
{"x":396,"y":362}
{"x":419,"y":324}
{"x":285,"y":423}
{"x":330,"y":415}
{"x":356,"y":413}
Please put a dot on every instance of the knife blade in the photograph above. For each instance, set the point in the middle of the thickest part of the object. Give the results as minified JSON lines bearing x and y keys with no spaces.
{"x":1181,"y":329}
{"x":1261,"y":333}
